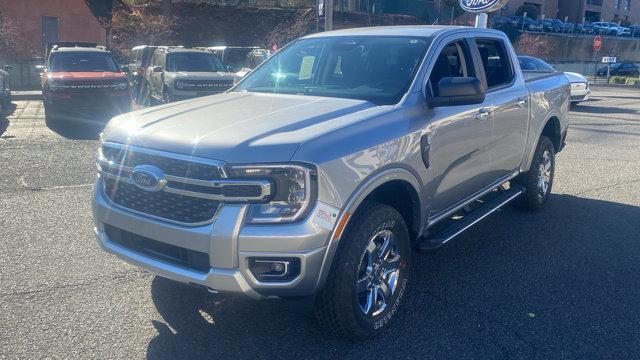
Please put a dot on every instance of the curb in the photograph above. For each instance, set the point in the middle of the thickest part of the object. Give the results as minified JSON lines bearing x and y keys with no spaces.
{"x":26,"y":95}
{"x":591,"y":85}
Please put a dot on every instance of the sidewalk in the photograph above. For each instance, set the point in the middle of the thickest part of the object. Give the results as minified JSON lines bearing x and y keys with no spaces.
{"x":26,"y":95}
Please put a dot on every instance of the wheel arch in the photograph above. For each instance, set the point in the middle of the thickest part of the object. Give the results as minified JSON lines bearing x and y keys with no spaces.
{"x":552,"y":128}
{"x":396,"y":187}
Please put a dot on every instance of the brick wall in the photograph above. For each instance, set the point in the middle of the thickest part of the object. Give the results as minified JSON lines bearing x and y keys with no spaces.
{"x":75,"y":20}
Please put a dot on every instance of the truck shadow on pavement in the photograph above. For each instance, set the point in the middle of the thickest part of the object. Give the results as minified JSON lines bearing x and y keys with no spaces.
{"x":518,"y":285}
{"x":76,"y":127}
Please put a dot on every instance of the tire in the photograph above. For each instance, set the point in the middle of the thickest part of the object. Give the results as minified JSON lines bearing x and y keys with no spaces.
{"x":340,"y":307}
{"x":535,"y":194}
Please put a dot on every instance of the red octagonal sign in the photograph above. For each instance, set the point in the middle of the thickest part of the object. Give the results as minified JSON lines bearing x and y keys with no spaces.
{"x":597,"y":43}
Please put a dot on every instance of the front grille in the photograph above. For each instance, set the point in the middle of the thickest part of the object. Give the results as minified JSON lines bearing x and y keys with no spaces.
{"x":180,"y":208}
{"x":87,"y":85}
{"x":175,"y":207}
{"x":170,"y":166}
{"x":189,"y":259}
{"x":208,"y":85}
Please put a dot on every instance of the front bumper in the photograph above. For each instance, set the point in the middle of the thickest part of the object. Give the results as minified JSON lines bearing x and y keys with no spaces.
{"x":88,"y":106}
{"x":229,"y":244}
{"x":579,"y":92}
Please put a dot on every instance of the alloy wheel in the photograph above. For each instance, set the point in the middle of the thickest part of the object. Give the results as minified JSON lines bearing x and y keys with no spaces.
{"x":378,"y":273}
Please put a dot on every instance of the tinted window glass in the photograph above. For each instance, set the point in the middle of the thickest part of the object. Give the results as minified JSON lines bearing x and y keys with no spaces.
{"x":80,"y":62}
{"x":453,"y":61}
{"x":194,"y":62}
{"x":533,"y":64}
{"x":495,"y":62}
{"x":373,"y":68}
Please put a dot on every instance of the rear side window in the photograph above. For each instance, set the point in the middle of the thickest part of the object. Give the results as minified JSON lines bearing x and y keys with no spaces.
{"x":496,"y":63}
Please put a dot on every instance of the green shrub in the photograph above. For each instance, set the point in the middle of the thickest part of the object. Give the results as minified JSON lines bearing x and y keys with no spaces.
{"x":632,"y":81}
{"x":617,"y":80}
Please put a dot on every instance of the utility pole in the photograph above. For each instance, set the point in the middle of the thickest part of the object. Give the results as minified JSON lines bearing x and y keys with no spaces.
{"x":328,"y":16}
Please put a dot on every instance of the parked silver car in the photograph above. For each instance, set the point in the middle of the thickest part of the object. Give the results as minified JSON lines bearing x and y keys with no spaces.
{"x":326,"y":165}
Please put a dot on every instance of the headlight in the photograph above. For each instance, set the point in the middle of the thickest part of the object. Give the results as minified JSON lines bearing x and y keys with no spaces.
{"x":180,"y":84}
{"x":293,"y":191}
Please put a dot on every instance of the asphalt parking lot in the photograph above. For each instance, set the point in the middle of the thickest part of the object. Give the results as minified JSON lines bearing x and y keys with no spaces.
{"x":559,"y":284}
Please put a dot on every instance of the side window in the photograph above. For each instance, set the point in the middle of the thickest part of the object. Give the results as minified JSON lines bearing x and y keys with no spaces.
{"x":453,"y":61}
{"x":495,"y":61}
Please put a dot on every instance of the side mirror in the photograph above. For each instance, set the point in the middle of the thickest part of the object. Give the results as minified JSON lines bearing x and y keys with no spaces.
{"x":157,"y":69}
{"x":40,"y":69}
{"x":124,"y":68}
{"x":231,"y":69}
{"x":455,"y":91}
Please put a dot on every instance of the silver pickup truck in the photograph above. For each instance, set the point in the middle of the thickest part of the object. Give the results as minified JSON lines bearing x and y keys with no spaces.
{"x":322,"y":170}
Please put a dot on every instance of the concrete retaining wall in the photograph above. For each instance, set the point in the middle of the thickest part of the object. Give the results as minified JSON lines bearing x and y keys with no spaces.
{"x":557,"y":48}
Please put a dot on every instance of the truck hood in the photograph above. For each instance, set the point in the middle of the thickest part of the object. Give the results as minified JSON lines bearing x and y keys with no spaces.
{"x":92,"y":75}
{"x":237,"y":127}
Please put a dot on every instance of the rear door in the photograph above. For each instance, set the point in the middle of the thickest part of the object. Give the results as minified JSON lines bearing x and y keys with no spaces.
{"x":508,"y":100}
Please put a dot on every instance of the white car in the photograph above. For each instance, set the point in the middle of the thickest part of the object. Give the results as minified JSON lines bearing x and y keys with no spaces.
{"x":579,"y":87}
{"x":579,"y":83}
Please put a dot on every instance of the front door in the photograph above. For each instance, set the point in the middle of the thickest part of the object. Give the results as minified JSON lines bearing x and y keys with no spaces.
{"x":458,"y":136}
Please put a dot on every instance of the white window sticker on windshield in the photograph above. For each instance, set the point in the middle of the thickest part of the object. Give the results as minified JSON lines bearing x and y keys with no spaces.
{"x":306,"y":67}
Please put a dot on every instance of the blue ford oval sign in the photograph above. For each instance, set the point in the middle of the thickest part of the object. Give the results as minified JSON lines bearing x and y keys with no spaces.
{"x":148,"y":178}
{"x":480,"y":6}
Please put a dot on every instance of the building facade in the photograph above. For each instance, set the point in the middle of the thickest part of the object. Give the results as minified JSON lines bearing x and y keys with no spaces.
{"x":624,"y":11}
{"x":42,"y":22}
{"x":548,"y":8}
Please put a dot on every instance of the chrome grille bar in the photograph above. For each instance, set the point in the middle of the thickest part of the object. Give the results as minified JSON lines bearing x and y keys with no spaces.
{"x":221,"y":184}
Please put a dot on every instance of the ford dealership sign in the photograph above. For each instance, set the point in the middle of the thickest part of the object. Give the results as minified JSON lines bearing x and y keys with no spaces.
{"x":480,"y":6}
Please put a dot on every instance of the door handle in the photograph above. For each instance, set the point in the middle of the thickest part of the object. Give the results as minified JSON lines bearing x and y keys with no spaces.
{"x":483,"y":114}
{"x":521,"y":103}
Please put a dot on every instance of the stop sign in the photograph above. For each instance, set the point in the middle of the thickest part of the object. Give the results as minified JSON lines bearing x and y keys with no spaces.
{"x":597,"y":43}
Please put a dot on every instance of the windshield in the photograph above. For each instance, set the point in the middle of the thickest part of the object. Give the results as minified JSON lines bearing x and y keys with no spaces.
{"x":373,"y":68}
{"x":193,"y":62}
{"x":81,"y":62}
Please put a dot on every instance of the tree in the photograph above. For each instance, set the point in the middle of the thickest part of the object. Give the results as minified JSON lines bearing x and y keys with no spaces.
{"x":166,"y":8}
{"x":138,"y":27}
{"x":532,"y":11}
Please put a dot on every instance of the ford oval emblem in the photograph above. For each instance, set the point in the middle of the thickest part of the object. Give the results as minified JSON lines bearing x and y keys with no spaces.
{"x":148,"y":178}
{"x":478,"y":6}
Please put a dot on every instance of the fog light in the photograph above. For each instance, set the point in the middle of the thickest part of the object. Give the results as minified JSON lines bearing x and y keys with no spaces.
{"x":274,"y":269}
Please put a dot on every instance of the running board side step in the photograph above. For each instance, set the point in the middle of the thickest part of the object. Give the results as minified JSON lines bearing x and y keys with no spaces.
{"x":440,"y":238}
